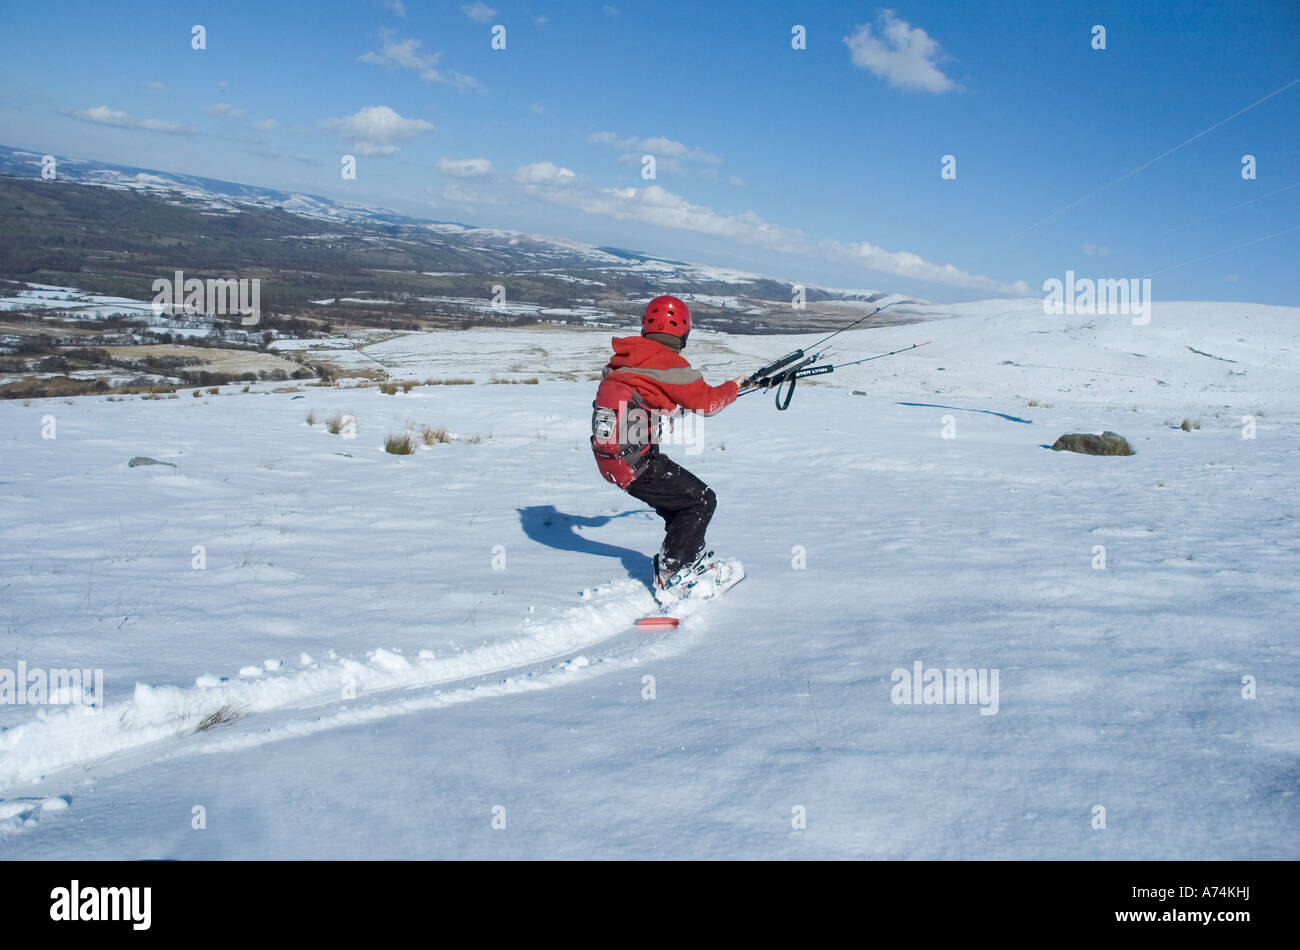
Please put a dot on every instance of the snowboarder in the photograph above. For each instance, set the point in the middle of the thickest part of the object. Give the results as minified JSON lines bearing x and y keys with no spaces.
{"x":647,"y":376}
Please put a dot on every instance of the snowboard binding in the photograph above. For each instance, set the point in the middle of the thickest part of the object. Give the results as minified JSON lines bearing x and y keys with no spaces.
{"x":704,"y":577}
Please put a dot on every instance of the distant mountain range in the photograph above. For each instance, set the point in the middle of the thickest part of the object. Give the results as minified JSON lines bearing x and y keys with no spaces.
{"x":465,"y":251}
{"x":212,"y":192}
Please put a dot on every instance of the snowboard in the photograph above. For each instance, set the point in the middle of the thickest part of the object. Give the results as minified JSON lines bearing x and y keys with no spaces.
{"x":672,"y":614}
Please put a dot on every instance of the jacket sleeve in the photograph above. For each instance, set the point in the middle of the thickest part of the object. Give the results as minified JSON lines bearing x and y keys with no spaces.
{"x":699,"y":396}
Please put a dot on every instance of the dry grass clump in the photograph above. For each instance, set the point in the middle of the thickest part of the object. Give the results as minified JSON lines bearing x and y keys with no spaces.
{"x":433,"y":435}
{"x":49,"y":387}
{"x":228,"y":712}
{"x":400,"y":444}
{"x":336,"y":422}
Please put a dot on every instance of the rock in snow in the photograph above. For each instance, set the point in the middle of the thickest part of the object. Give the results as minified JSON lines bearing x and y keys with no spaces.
{"x":1086,"y":443}
{"x":145,"y":460}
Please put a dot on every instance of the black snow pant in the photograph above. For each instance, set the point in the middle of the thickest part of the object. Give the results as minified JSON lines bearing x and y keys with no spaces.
{"x":684,"y":502}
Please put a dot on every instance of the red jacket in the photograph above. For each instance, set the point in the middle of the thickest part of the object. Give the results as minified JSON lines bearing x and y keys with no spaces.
{"x":643,"y":371}
{"x":665,"y":379}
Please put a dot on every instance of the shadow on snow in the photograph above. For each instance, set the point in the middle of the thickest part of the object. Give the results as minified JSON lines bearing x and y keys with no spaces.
{"x":556,"y":529}
{"x":988,"y":412}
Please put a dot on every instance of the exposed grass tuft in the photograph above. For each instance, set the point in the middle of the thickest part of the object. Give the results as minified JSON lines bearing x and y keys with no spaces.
{"x":400,"y":444}
{"x":228,"y":712}
{"x":434,"y":434}
{"x":335,"y":422}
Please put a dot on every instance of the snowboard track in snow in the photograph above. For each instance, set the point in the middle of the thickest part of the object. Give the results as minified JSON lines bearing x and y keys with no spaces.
{"x":58,"y":748}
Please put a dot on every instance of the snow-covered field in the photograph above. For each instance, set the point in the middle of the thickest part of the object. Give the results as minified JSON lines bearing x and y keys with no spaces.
{"x":71,"y":302}
{"x":407,"y":660}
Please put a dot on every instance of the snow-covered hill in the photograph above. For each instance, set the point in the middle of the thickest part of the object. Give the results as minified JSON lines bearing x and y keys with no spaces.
{"x":509,"y":251}
{"x":392,"y":651}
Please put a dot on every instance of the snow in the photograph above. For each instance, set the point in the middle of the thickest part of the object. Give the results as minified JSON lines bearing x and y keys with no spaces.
{"x":730,"y":302}
{"x":74,"y":303}
{"x":391,"y":646}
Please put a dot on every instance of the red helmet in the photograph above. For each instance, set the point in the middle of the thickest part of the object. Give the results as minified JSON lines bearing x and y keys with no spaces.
{"x":667,"y":315}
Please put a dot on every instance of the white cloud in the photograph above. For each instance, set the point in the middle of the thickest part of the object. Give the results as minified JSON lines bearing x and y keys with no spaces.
{"x":463,"y":82}
{"x":465,"y":167}
{"x":655,"y":205}
{"x":907,"y":264}
{"x":395,"y":7}
{"x":155,"y":87}
{"x":225,"y":110}
{"x":377,"y":130}
{"x":266,"y":125}
{"x":658,"y":146}
{"x":903,"y":55}
{"x":610,"y":11}
{"x":543,"y":173}
{"x":537,"y":109}
{"x":405,"y":54}
{"x":1094,"y":250}
{"x":542,"y":20}
{"x":103,"y":115}
{"x":478,"y":11}
{"x":652,"y":204}
{"x":470,"y":199}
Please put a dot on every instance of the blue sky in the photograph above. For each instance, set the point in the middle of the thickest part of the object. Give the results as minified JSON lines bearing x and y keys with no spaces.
{"x":819,"y":165}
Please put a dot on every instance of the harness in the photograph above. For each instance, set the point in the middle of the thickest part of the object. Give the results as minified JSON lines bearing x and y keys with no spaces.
{"x":619,"y":415}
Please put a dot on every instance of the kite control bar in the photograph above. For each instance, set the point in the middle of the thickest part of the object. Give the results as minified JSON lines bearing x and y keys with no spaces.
{"x":775,"y":375}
